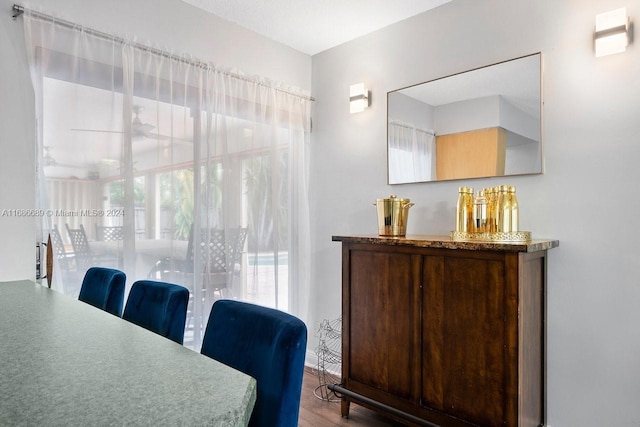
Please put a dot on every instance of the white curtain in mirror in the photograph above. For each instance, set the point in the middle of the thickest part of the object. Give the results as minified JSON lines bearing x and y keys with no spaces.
{"x":411,"y":153}
{"x":164,"y":165}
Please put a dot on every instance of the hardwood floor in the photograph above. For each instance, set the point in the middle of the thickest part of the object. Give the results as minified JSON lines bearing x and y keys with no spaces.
{"x":315,"y":412}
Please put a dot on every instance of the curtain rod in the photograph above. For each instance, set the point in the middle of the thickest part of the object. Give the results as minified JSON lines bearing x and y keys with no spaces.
{"x":19,"y":10}
{"x":410,"y":126}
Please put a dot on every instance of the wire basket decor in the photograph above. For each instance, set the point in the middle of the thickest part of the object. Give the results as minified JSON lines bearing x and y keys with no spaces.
{"x":329,"y":352}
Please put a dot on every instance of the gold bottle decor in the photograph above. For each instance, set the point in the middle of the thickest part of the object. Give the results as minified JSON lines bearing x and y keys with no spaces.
{"x":514,"y":220}
{"x":461,"y":219}
{"x":480,"y":212}
{"x":487,"y":195}
{"x":507,"y":210}
{"x":492,"y":209}
{"x":469,"y":206}
{"x":492,"y":215}
{"x":502,"y":210}
{"x":464,"y":210}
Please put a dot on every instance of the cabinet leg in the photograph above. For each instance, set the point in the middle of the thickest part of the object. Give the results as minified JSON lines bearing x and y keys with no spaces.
{"x":344,"y":407}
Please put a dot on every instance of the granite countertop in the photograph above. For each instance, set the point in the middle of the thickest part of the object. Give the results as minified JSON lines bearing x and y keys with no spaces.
{"x":67,"y":363}
{"x":445,"y":242}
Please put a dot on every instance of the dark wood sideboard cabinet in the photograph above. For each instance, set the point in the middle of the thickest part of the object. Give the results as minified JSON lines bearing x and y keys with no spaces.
{"x":449,"y":333}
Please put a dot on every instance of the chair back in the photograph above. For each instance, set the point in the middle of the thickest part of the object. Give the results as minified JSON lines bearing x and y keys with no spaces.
{"x":59,"y":251}
{"x":218,"y":256}
{"x":268,"y":345}
{"x":159,"y":307}
{"x":80,"y":245}
{"x":109,"y":233}
{"x":104,"y":288}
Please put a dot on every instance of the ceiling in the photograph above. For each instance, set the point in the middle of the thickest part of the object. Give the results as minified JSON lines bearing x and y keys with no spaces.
{"x":312,"y":26}
{"x":517,"y":81}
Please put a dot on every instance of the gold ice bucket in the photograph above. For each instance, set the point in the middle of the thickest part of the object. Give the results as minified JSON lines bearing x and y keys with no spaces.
{"x":393,"y":214}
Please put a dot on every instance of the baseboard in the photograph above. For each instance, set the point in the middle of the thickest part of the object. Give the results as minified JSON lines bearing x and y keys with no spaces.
{"x":311,"y":359}
{"x":311,"y":362}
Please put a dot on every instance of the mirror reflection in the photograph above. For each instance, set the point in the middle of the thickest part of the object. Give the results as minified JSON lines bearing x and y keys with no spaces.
{"x":481,"y":123}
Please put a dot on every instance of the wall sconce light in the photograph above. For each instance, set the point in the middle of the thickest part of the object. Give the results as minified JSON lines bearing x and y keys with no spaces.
{"x":613,"y":32}
{"x":359,"y":98}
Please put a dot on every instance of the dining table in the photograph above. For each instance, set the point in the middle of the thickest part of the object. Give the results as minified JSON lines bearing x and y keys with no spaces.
{"x":67,"y":363}
{"x":147,"y":251}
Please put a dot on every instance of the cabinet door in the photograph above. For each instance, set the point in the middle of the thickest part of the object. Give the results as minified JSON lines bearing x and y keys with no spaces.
{"x":465,"y":337}
{"x":383,"y":333}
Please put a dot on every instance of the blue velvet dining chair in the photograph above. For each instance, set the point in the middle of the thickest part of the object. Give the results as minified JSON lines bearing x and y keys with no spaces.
{"x":104,"y":288}
{"x":268,"y":345}
{"x":159,"y":307}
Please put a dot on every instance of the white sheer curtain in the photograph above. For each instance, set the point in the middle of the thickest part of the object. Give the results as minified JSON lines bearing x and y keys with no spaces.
{"x":167,"y":152}
{"x":411,"y":153}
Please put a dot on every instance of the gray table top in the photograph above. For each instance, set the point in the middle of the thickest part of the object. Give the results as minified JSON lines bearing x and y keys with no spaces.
{"x":64,"y":362}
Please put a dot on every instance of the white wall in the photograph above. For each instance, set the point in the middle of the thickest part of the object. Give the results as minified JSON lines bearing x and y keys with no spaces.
{"x":169,"y":24}
{"x":587,"y":198}
{"x":518,"y":121}
{"x":468,"y":115}
{"x":482,"y":113}
{"x":17,"y":170}
{"x":523,"y":155}
{"x":411,"y":111}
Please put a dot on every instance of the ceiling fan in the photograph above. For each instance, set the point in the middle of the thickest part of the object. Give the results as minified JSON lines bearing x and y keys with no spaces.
{"x":49,"y":160}
{"x":139,"y":129}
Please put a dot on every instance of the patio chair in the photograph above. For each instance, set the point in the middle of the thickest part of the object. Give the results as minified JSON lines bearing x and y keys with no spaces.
{"x":109,"y":233}
{"x":65,"y":262}
{"x":220,"y":261}
{"x":84,"y":256}
{"x":65,"y":259}
{"x":82,"y":251}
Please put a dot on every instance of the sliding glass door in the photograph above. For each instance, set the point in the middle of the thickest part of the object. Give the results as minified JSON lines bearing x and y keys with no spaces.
{"x":169,"y":170}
